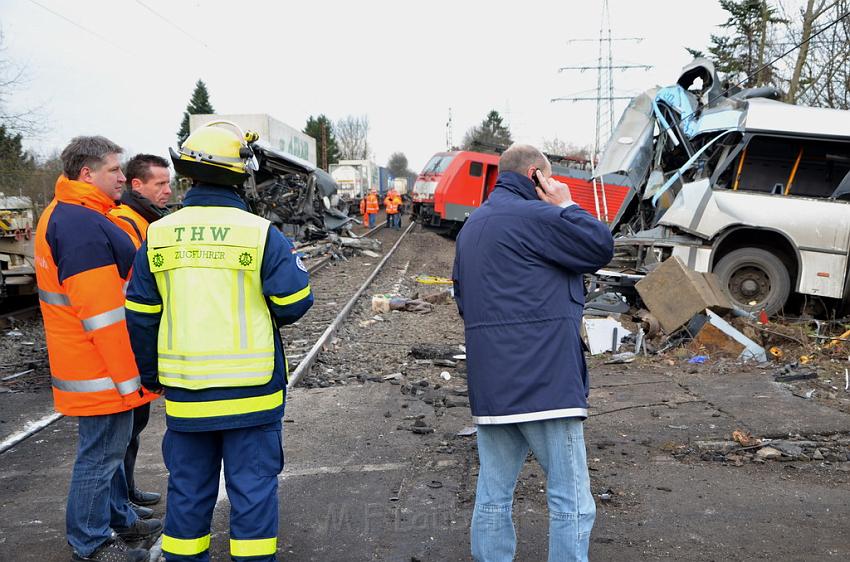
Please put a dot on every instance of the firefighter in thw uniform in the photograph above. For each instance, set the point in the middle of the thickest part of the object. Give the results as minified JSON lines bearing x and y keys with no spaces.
{"x":210,"y":286}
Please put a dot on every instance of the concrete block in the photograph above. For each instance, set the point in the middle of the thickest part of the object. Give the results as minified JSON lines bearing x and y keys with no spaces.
{"x":673,"y":293}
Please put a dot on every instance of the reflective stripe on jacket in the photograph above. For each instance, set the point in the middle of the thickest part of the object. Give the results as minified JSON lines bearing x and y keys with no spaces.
{"x":206,"y":261}
{"x":205,"y":287}
{"x":518,"y":286}
{"x":82,"y":262}
{"x":372,"y":204}
{"x":392,"y":203}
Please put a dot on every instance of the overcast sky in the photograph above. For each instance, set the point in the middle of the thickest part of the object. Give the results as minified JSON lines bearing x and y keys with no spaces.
{"x":401,"y":63}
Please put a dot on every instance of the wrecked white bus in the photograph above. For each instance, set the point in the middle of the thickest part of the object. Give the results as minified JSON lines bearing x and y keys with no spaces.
{"x":750,"y":188}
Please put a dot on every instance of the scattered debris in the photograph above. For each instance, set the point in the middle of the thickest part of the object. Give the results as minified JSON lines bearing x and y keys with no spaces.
{"x":768,"y":453}
{"x":787,"y":376}
{"x":383,"y":304}
{"x":604,"y":334}
{"x":467,"y":431}
{"x":16,"y":375}
{"x":694,"y":292}
{"x":433,"y":280}
{"x":620,"y":358}
{"x":717,"y":336}
{"x":745,"y":439}
{"x":433,"y":351}
{"x":445,"y":376}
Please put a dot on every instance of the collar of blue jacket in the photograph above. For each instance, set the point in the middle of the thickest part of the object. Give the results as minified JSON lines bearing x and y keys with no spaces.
{"x":203,"y":195}
{"x":518,"y":184}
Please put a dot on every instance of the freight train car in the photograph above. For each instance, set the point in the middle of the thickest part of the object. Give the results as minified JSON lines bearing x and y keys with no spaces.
{"x":17,"y":224}
{"x":453,"y":184}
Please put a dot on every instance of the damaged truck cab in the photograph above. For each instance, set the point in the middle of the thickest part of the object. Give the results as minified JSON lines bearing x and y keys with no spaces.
{"x":748,"y":187}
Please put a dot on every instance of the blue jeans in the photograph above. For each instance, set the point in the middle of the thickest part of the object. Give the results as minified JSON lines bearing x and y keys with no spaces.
{"x":97,"y":498}
{"x":558,"y":445}
{"x":372,"y":220}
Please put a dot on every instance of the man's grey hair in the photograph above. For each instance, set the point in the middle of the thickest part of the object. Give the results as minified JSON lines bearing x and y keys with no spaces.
{"x":84,"y":152}
{"x":520,"y":157}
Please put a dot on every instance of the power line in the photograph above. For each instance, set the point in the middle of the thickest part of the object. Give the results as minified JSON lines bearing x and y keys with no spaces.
{"x":84,"y":28}
{"x":171,"y":23}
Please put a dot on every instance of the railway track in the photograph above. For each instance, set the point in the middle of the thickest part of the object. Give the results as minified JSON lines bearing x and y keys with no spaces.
{"x":336,"y":291}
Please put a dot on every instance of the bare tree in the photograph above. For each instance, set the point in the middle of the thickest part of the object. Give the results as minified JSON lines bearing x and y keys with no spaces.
{"x":820,"y":74}
{"x":558,"y":147}
{"x":12,"y":77}
{"x":352,"y":134}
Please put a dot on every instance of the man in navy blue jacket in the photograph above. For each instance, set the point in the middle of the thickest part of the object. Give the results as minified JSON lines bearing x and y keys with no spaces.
{"x":519,"y":288}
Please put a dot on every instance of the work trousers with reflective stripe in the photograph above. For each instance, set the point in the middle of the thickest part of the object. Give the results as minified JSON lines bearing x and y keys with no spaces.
{"x":253,"y":457}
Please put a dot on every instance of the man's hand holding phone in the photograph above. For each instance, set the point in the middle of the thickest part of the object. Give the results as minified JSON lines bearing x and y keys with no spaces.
{"x":551,"y":191}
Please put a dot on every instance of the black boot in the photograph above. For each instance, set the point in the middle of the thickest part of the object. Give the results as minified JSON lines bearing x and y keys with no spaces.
{"x":139,"y":497}
{"x":141,"y":530}
{"x":142,"y":512}
{"x":114,"y":550}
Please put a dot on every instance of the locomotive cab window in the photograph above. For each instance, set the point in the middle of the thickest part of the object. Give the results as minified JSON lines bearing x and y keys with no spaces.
{"x":476,"y":169}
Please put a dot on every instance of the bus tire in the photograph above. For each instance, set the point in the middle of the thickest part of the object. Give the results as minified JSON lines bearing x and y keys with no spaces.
{"x":754,"y":279}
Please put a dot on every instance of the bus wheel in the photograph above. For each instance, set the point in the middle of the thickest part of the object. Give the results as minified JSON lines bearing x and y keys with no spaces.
{"x":754,"y":279}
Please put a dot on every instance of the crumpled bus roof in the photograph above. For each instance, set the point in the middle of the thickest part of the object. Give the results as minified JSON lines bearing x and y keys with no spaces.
{"x":775,"y":116}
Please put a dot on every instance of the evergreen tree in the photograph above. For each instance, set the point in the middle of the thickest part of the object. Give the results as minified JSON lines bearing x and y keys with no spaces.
{"x":15,"y":163}
{"x":321,"y":128}
{"x":492,"y":135}
{"x":744,"y":49}
{"x":198,"y":104}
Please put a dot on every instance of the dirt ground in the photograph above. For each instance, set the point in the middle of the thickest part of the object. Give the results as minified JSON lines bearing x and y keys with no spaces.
{"x":376,"y":468}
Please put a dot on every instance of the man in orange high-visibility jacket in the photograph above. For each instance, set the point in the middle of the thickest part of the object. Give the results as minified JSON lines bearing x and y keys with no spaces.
{"x":372,"y":206}
{"x":392,"y":203}
{"x":142,"y":202}
{"x":83,"y":261}
{"x":364,"y":213}
{"x":145,"y":198}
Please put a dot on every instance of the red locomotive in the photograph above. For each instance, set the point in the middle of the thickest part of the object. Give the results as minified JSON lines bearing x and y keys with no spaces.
{"x":453,"y":184}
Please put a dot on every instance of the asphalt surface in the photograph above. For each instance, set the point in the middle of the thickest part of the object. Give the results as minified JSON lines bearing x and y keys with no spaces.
{"x":358,"y":485}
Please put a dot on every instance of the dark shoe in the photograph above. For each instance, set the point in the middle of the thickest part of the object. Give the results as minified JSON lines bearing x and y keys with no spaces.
{"x":142,"y":512}
{"x":114,"y":550}
{"x":139,"y":497}
{"x":141,"y":530}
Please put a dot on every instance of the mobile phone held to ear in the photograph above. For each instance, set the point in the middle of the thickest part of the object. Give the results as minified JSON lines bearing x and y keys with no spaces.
{"x":534,"y":177}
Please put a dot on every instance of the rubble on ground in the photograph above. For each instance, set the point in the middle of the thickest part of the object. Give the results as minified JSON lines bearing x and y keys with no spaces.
{"x":742,"y":448}
{"x":679,"y":317}
{"x":340,"y":247}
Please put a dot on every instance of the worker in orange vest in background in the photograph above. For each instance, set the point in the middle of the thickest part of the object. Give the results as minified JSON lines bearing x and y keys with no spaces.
{"x":392,"y":203}
{"x":363,"y":212}
{"x":372,"y":207}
